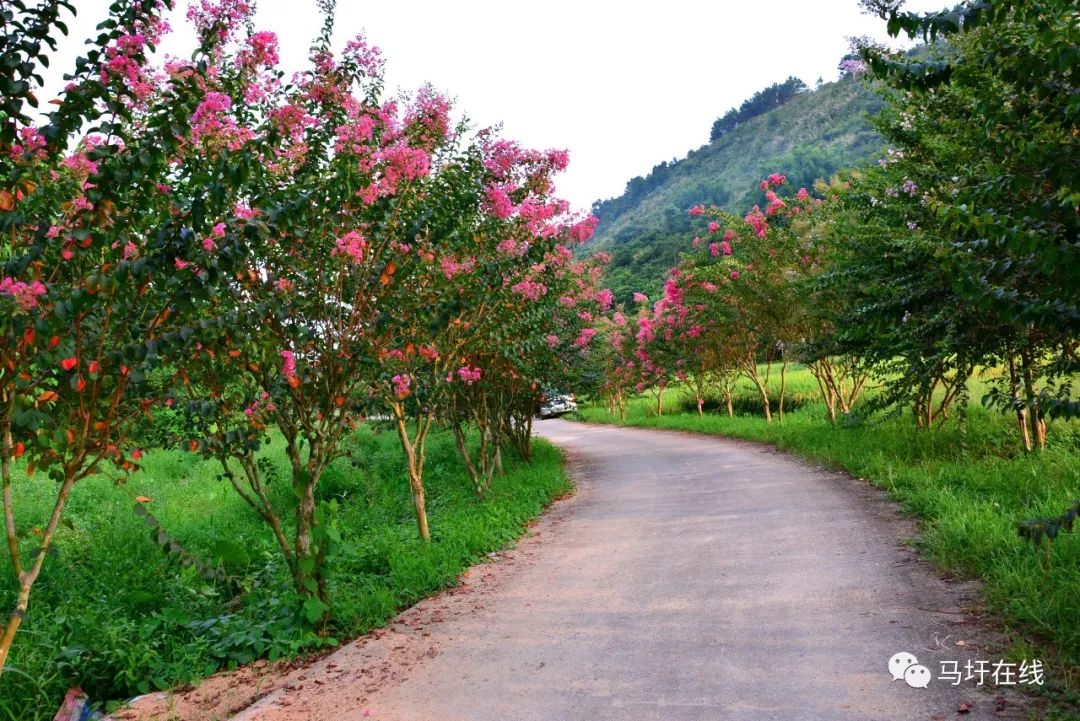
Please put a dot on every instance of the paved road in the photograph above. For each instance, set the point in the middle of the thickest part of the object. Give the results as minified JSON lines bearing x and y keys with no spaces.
{"x":689,"y":578}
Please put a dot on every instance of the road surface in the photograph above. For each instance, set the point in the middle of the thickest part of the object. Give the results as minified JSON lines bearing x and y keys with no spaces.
{"x":689,"y":578}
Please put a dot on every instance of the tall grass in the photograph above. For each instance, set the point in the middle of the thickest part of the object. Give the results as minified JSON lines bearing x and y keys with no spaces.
{"x":115,"y":615}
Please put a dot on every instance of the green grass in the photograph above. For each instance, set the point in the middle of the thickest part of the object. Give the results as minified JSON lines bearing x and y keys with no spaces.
{"x":113,"y":614}
{"x":971,"y":486}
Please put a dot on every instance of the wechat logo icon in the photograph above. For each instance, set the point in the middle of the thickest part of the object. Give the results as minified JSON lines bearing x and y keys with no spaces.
{"x":905,"y":666}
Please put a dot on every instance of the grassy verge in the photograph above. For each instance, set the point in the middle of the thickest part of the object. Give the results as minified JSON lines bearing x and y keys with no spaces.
{"x":971,"y":486}
{"x":113,"y":614}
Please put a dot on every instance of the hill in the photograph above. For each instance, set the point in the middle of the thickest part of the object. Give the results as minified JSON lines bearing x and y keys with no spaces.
{"x":806,"y":135}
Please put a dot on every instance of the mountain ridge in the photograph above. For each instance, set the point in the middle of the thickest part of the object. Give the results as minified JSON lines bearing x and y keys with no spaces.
{"x":812,"y":135}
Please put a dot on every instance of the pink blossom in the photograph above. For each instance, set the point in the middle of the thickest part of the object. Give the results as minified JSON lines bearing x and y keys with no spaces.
{"x":291,"y":121}
{"x":714,"y":249}
{"x":584,"y":229}
{"x":351,"y":245}
{"x":79,"y":164}
{"x":367,"y":58}
{"x":696,"y":242}
{"x":401,"y":385}
{"x":210,"y":123}
{"x":498,"y":202}
{"x":775,"y":203}
{"x":468,"y":375}
{"x":261,"y":51}
{"x":288,"y":364}
{"x":734,"y":275}
{"x":584,"y":337}
{"x":640,"y":297}
{"x":605,"y":298}
{"x":451,"y":266}
{"x":756,"y":219}
{"x":25,"y":294}
{"x":283,"y":285}
{"x":559,"y":159}
{"x":803,"y":194}
{"x":697,"y":210}
{"x":209,"y":245}
{"x":552,"y":340}
{"x":32,"y":143}
{"x":218,"y":19}
{"x":427,"y":121}
{"x":529,"y":288}
{"x":777,"y":179}
{"x":714,"y":227}
{"x":708,"y":287}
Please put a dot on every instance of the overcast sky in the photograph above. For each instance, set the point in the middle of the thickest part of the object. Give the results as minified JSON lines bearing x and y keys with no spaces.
{"x":622,"y":88}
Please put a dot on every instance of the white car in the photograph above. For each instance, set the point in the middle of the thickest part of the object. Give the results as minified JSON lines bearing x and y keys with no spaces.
{"x":556,"y":405}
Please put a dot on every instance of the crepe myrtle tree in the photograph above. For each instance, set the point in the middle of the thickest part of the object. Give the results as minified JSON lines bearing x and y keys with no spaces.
{"x":474,"y":347}
{"x":90,"y":299}
{"x":757,"y":266}
{"x":335,"y":235}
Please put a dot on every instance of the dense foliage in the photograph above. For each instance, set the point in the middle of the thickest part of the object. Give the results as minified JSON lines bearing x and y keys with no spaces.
{"x":958,"y":251}
{"x":260,"y":254}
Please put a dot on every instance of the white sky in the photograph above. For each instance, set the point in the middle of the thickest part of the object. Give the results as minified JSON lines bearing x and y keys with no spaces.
{"x":621,"y":87}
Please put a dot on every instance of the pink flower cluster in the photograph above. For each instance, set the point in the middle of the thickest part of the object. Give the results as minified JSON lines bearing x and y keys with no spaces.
{"x":367,"y":58}
{"x":773,"y":180}
{"x":351,"y":245}
{"x":605,"y":298}
{"x":210,"y":123}
{"x":468,"y":375}
{"x":261,"y":51}
{"x":218,"y":19}
{"x":776,"y":204}
{"x":31,"y":142}
{"x":288,"y":364}
{"x":427,"y":121}
{"x":529,"y":289}
{"x":498,"y":201}
{"x":401,"y":384}
{"x":582,"y":230}
{"x":25,"y":294}
{"x":584,"y":337}
{"x":291,"y":121}
{"x":756,"y":219}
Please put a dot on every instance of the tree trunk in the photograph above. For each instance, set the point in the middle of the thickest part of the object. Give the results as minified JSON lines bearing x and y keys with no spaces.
{"x":783,"y":383}
{"x":414,"y":459}
{"x":30,"y":576}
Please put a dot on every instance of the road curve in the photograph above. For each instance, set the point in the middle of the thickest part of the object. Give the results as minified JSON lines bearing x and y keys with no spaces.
{"x":690,"y":578}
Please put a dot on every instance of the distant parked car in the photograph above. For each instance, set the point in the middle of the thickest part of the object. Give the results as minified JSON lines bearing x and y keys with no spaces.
{"x":557,"y":404}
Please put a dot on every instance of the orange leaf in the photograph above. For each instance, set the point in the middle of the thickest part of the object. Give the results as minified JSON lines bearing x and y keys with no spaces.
{"x":7,"y":201}
{"x":20,"y":449}
{"x":143,"y":499}
{"x":384,"y":278}
{"x":47,"y":396}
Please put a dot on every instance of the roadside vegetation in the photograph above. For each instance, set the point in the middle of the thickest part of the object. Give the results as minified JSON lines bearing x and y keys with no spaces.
{"x":125,"y":617}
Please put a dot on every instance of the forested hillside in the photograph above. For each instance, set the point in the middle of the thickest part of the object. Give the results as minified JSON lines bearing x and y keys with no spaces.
{"x":806,"y":135}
